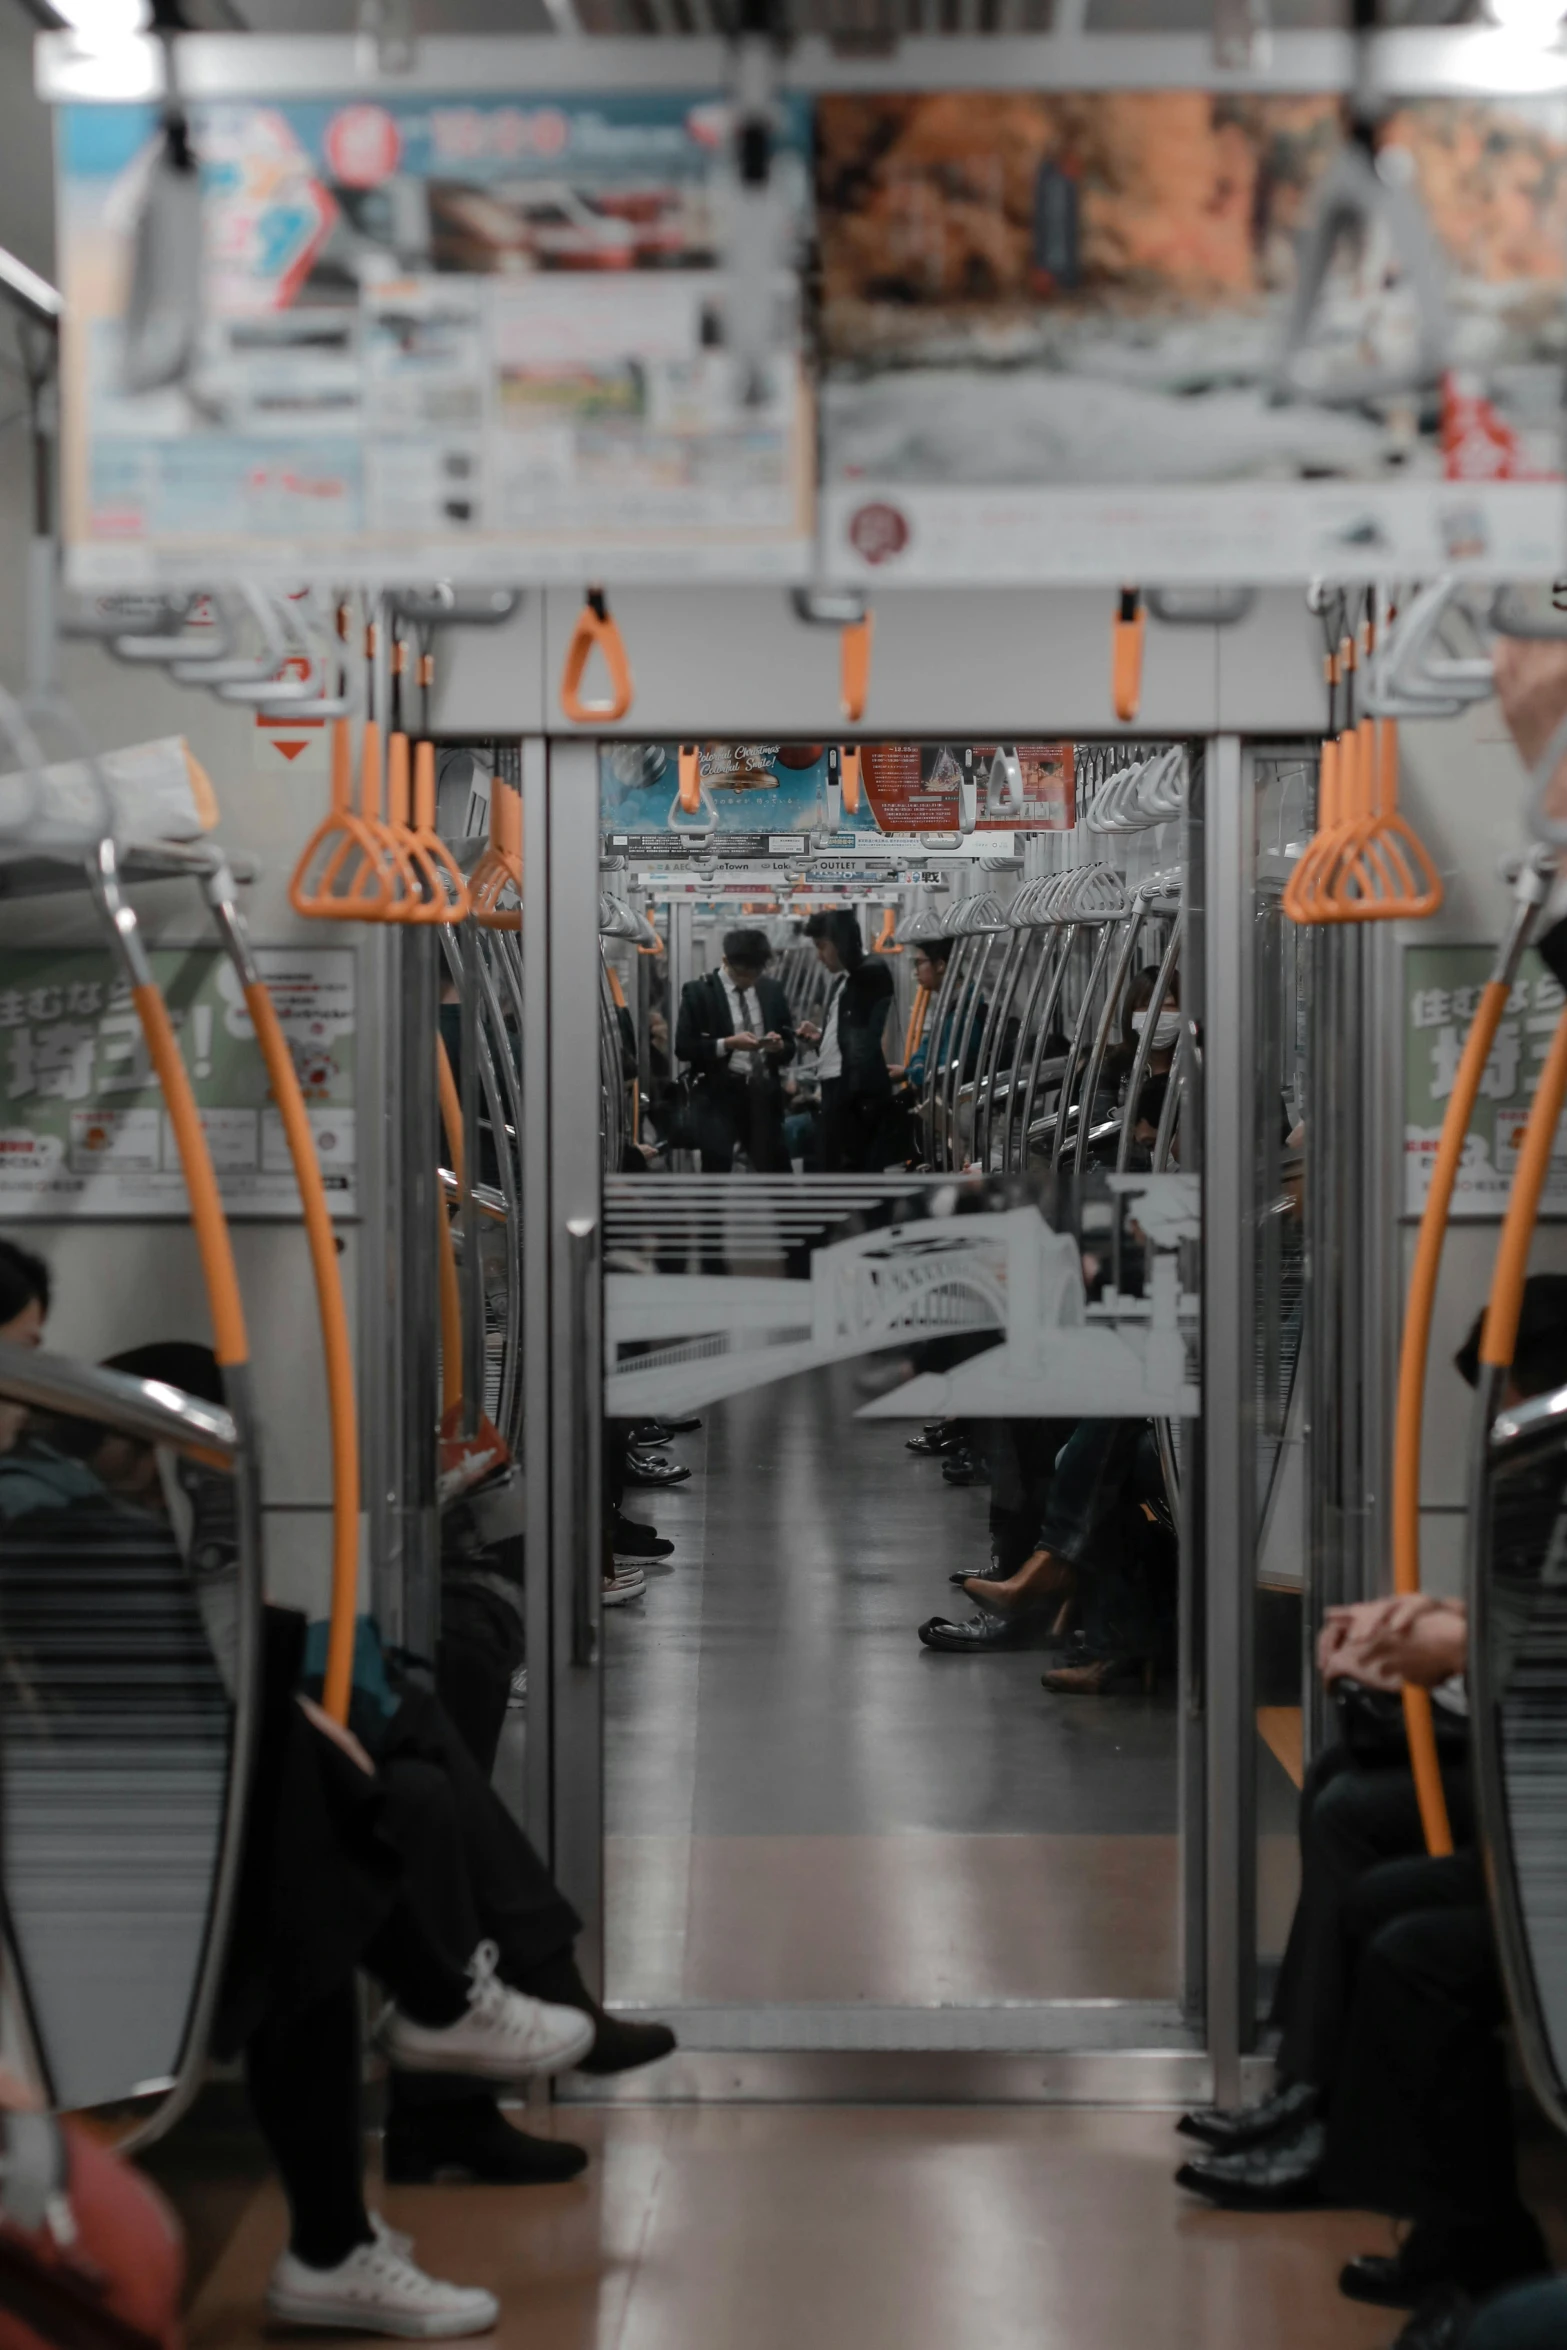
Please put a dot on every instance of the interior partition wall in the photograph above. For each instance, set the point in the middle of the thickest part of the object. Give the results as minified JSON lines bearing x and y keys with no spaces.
{"x":1109,"y":2048}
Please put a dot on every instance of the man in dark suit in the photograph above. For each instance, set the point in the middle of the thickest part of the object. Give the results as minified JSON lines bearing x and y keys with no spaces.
{"x":735,"y":1033}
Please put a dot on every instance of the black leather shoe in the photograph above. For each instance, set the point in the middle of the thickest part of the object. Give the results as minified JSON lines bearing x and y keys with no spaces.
{"x":652,"y":1469}
{"x":660,"y":1431}
{"x":1229,"y":2130}
{"x":980,"y":1632}
{"x":991,"y":1574}
{"x":961,"y":1467}
{"x":622,"y":2045}
{"x":938,"y":1437}
{"x":1431,"y":2260}
{"x":1440,"y":2323}
{"x":628,"y":1540}
{"x":1283,"y":2175}
{"x":472,"y":2139}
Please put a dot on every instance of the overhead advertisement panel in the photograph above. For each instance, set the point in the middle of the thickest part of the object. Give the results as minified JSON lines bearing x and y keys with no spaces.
{"x":1060,"y":341}
{"x":469,"y":337}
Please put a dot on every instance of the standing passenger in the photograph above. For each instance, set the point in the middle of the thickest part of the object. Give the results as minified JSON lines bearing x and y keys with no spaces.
{"x":735,"y":1033}
{"x":852,"y":1061}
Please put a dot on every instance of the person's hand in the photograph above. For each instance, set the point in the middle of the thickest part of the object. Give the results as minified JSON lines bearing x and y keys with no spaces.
{"x":1345,"y":1631}
{"x":658,"y":1032}
{"x":338,"y":1734}
{"x":742,"y":1041}
{"x":1420,"y":1641}
{"x":809,"y":1030}
{"x":772,"y":1042}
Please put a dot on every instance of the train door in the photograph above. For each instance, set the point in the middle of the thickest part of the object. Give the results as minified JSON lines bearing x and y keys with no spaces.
{"x":877,"y":1745}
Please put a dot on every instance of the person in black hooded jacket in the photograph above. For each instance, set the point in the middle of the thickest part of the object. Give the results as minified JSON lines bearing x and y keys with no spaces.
{"x":851,"y":1053}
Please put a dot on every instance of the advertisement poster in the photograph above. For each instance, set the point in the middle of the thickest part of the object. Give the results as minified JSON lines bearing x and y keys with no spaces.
{"x":1055,"y":335}
{"x":1442,"y":987}
{"x":82,"y":1125}
{"x":471,"y":336}
{"x":771,"y":790}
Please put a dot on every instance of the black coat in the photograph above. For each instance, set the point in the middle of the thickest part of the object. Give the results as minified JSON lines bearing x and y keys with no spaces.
{"x":864,"y":1001}
{"x":704,"y":1018}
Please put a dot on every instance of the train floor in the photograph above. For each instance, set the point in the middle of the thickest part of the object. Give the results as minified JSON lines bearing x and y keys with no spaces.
{"x":803,"y":1804}
{"x":847,"y":2228}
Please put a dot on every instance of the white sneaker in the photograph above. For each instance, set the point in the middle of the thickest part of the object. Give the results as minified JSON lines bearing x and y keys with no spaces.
{"x":378,"y":2290}
{"x":505,"y":2035}
{"x":627,"y":1582}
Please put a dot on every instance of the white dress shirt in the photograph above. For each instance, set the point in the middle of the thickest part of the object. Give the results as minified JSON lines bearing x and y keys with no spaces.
{"x":829,"y":1053}
{"x":745,"y":1016}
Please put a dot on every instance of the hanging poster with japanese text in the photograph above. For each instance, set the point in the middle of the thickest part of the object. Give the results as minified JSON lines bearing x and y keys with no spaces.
{"x":1059,"y":344}
{"x":1442,"y":988}
{"x":83,"y":1129}
{"x":473,"y":337}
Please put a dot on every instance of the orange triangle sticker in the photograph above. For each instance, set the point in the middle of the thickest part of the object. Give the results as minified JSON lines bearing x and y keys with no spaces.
{"x":289,"y":750}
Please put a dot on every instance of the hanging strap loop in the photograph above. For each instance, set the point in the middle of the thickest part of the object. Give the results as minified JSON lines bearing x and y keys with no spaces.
{"x":595,"y":626}
{"x":1126,"y":654}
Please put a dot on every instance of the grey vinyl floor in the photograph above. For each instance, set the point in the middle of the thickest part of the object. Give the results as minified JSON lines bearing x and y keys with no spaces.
{"x":779,"y":1746}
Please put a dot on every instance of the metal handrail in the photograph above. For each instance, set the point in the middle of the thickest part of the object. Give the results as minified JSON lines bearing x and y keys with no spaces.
{"x":148,"y":1409}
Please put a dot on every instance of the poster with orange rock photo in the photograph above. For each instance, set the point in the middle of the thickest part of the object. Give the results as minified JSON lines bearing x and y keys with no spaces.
{"x":1055,"y":338}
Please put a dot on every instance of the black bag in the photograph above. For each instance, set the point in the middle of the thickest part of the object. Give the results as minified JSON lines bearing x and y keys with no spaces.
{"x":1371,"y":1726}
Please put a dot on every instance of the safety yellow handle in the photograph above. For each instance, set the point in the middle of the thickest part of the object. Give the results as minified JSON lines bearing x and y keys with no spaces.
{"x":1126,"y":654}
{"x":595,"y":626}
{"x":854,"y":665}
{"x":342,"y":1409}
{"x":208,"y":1221}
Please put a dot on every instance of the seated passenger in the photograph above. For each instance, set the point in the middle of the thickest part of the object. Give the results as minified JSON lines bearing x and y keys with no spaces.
{"x":24,"y":1308}
{"x":1104,"y":1542}
{"x":1392,"y":2087}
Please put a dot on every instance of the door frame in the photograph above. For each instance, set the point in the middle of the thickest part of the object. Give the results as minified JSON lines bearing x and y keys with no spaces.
{"x":1098,"y":2051}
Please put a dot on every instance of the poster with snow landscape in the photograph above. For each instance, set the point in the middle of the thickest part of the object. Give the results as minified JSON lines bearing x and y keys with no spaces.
{"x":1054,"y":332}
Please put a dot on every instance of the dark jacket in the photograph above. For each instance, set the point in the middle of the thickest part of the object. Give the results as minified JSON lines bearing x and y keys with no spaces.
{"x":704,"y":1018}
{"x":863,"y":1003}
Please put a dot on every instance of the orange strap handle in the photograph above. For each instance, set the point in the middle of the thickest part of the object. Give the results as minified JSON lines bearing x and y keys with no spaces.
{"x":326,"y":898}
{"x":849,"y":777}
{"x":916,"y":1028}
{"x":854,"y":666}
{"x":1499,"y":1338}
{"x":342,"y":1409}
{"x":500,"y":866}
{"x":1126,"y":654}
{"x":689,"y":766}
{"x":1418,"y":1315}
{"x":883,"y":942}
{"x":451,"y":1295}
{"x":444,"y":871}
{"x":595,"y":626}
{"x":213,"y":1244}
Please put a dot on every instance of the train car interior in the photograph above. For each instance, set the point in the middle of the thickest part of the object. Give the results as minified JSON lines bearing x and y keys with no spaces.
{"x":783,"y":1310}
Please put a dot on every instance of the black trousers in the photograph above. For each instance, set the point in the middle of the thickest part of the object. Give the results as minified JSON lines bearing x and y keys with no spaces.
{"x":853,"y":1129}
{"x":1420,"y":2122}
{"x":1351,"y":1819}
{"x":733,"y":1114}
{"x":469,"y":1872}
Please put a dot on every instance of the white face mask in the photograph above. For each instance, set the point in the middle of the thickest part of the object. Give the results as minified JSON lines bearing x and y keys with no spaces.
{"x":1165,"y":1029}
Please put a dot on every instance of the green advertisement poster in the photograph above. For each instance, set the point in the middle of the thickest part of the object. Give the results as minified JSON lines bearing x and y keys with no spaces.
{"x":82,"y":1125}
{"x":1442,"y":986}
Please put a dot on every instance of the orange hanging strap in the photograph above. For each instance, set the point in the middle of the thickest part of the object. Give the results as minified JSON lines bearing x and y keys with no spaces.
{"x":854,"y":665}
{"x":342,"y":855}
{"x":849,"y":777}
{"x":595,"y":626}
{"x":883,"y":944}
{"x":916,"y":1028}
{"x":436,"y":858}
{"x":1126,"y":654}
{"x":688,"y":760}
{"x":213,"y":1245}
{"x":338,"y":1350}
{"x":500,"y":867}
